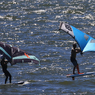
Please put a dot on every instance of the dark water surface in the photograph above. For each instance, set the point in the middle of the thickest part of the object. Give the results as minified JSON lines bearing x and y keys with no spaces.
{"x":32,"y":25}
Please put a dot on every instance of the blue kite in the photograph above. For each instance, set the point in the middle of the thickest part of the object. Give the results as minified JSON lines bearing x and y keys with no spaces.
{"x":85,"y":42}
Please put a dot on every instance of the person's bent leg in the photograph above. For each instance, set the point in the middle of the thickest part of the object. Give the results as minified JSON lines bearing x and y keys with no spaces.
{"x":6,"y":79}
{"x":74,"y":70}
{"x":10,"y":78}
{"x":78,"y":68}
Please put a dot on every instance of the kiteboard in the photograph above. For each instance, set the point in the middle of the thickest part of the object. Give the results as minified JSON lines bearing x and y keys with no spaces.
{"x":20,"y":82}
{"x":81,"y":74}
{"x":17,"y":83}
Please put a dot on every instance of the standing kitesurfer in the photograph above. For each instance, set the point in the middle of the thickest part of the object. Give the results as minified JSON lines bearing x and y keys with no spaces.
{"x":4,"y":69}
{"x":74,"y":51}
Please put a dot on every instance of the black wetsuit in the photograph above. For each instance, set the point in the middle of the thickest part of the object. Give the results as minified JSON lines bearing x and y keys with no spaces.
{"x":4,"y":69}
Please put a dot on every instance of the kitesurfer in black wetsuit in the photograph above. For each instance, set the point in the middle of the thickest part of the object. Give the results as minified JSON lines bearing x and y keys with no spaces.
{"x":74,"y":51}
{"x":4,"y":69}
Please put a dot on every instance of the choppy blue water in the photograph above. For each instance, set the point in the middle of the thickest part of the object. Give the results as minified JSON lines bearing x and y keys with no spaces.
{"x":32,"y":25}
